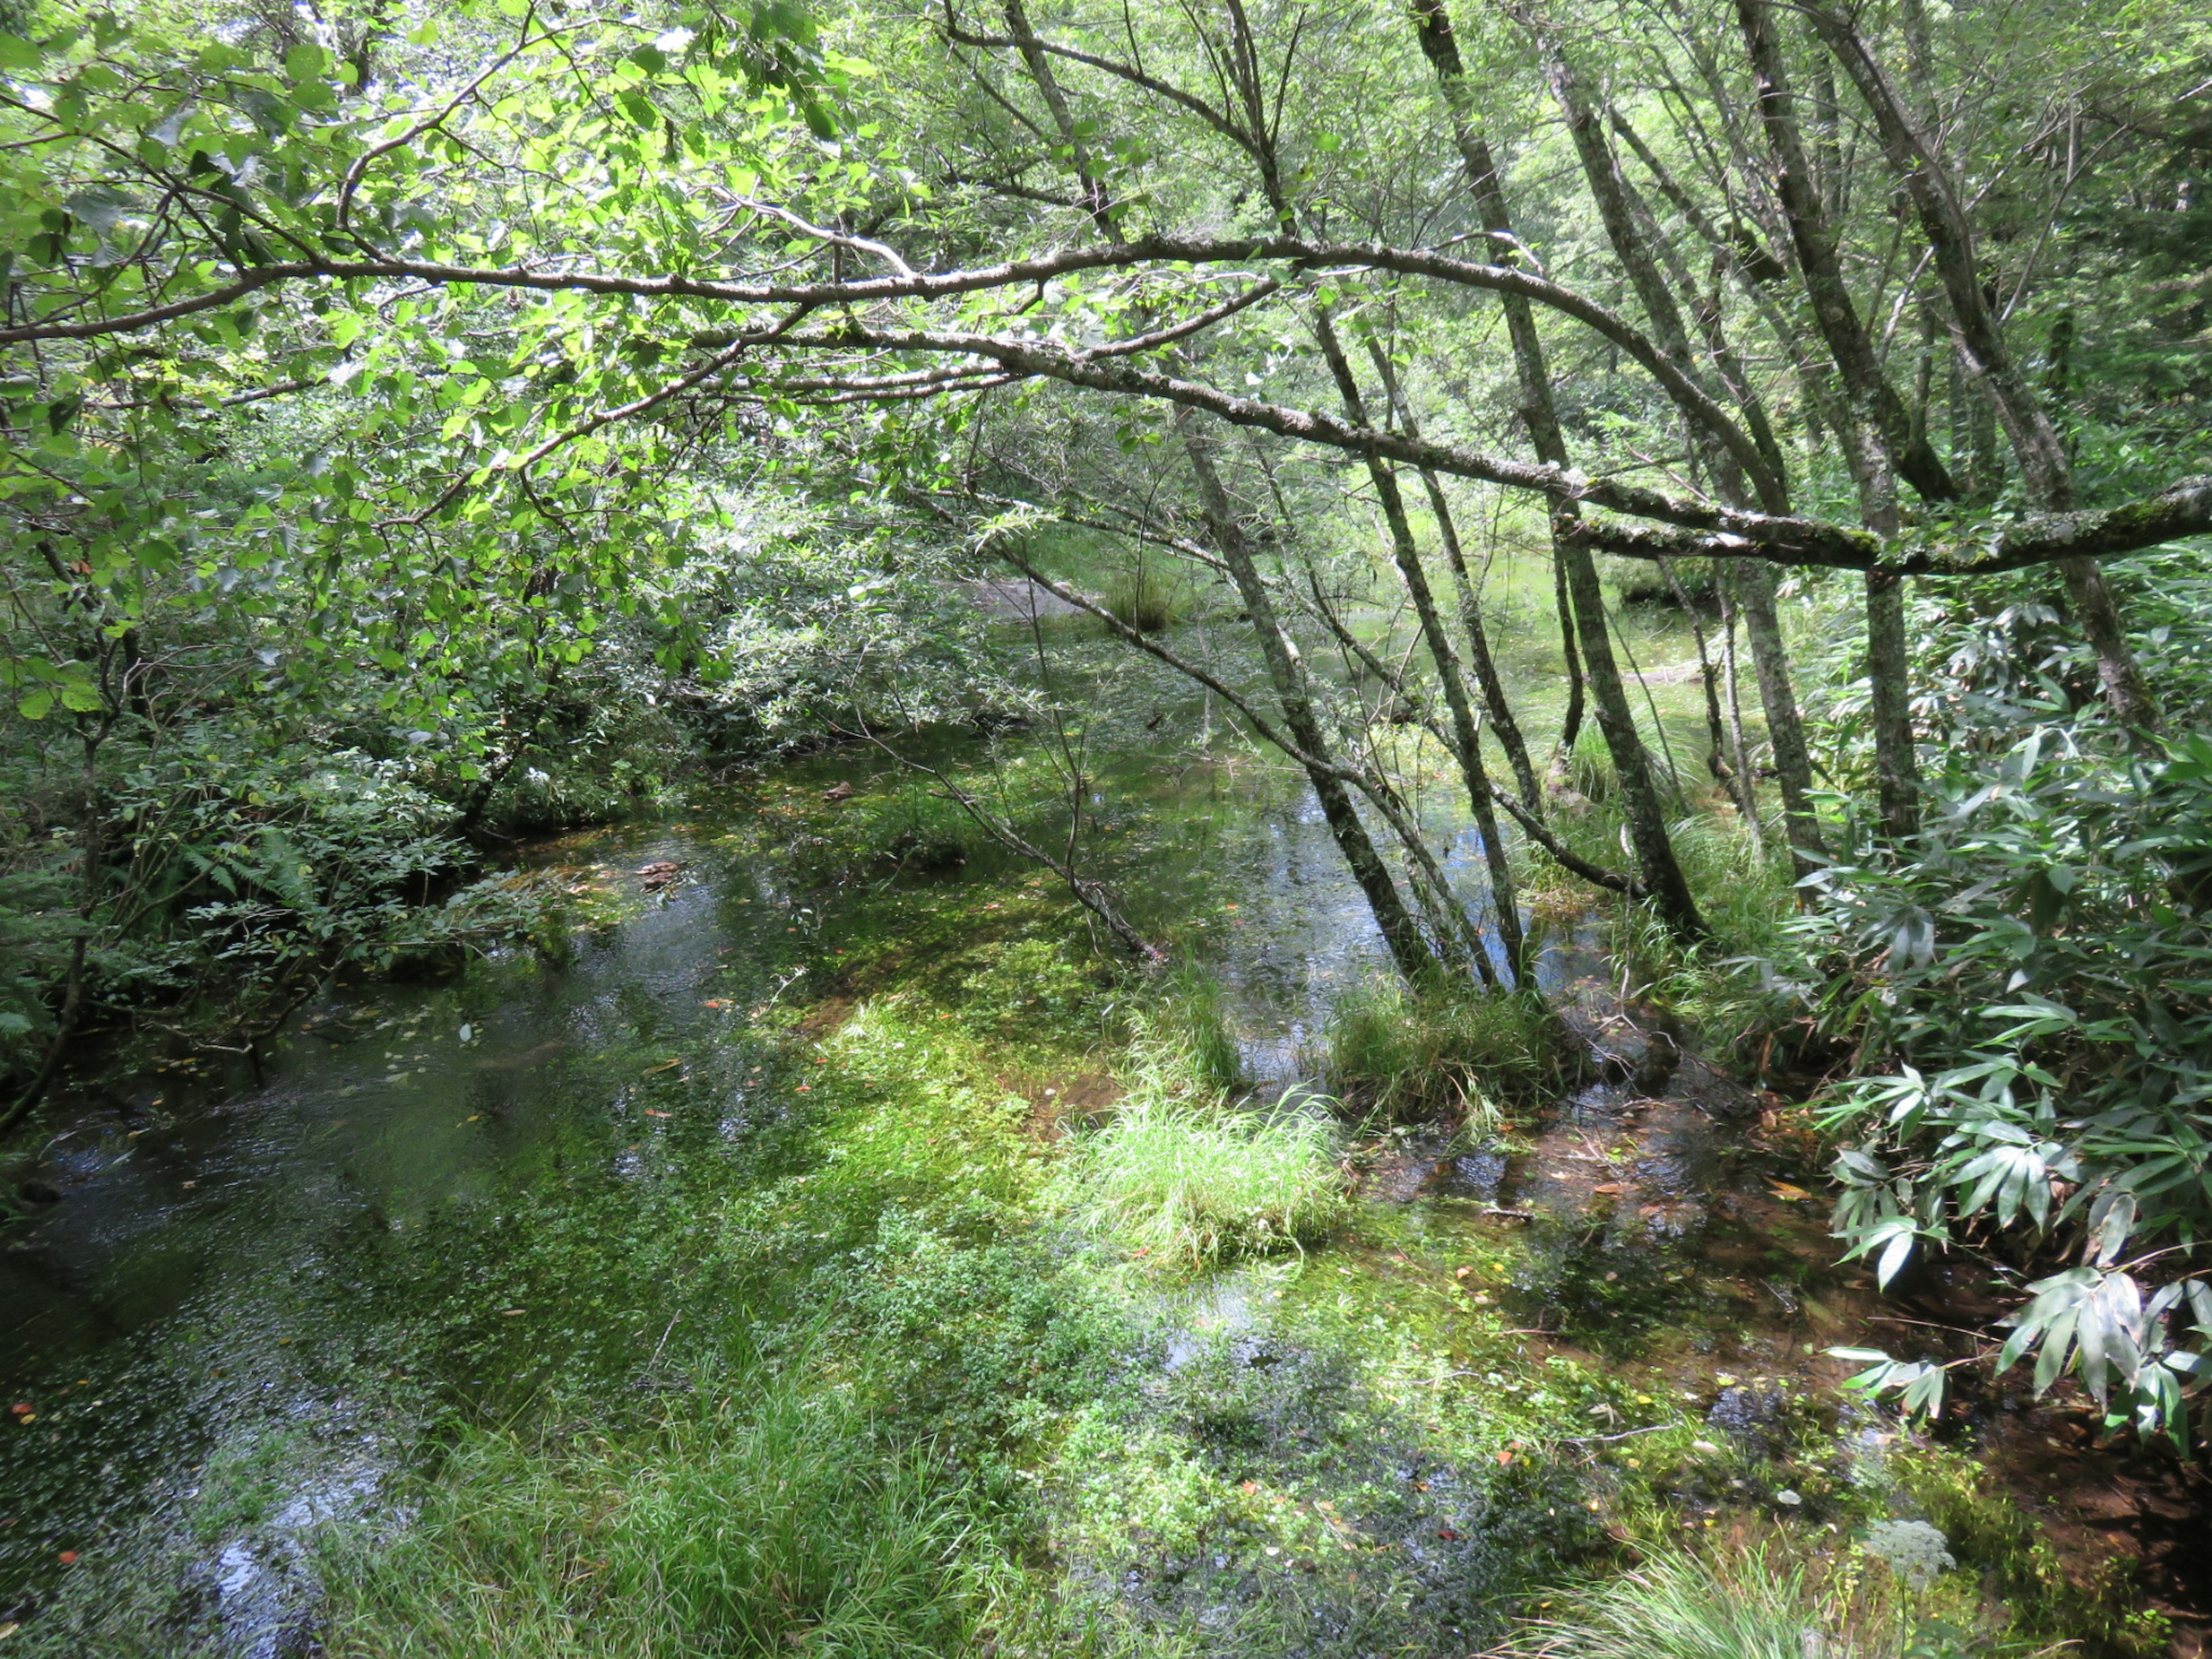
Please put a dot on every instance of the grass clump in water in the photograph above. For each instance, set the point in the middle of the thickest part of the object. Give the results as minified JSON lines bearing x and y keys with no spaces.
{"x":1196,"y":1185}
{"x":1756,"y":1603}
{"x":1193,"y":1022}
{"x":1137,"y":600}
{"x":1417,"y":1054}
{"x":762,"y":1524}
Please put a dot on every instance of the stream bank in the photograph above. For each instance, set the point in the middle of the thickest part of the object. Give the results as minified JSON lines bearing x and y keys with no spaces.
{"x":783,"y":1152}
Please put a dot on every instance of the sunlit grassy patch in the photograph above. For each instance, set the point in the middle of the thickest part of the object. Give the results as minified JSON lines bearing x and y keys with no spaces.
{"x":1194,"y":1185}
{"x":1760,"y":1602}
{"x":1408,"y":1054}
{"x":759,"y":1519}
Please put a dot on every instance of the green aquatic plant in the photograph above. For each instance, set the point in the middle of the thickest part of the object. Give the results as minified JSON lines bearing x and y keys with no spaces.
{"x":1397,"y":1051}
{"x":758,"y":1518}
{"x":1140,"y":600}
{"x":1194,"y":1021}
{"x":1756,"y":1603}
{"x":1195,"y":1185}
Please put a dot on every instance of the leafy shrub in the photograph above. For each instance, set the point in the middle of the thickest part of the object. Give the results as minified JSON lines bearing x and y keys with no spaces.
{"x":1198,"y":1185}
{"x":2037,"y":985}
{"x":1410,"y":1053}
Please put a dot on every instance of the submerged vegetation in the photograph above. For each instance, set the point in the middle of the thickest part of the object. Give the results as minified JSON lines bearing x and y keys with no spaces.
{"x":1620,"y":590}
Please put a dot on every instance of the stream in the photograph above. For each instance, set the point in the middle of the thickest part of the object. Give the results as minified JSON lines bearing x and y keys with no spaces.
{"x":236,"y":1307}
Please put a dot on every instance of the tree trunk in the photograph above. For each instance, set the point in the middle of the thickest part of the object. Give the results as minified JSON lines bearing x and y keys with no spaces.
{"x":1785,"y":725}
{"x":1466,"y":738}
{"x":1658,"y":871}
{"x":1287,"y":672}
{"x":1897,"y":780}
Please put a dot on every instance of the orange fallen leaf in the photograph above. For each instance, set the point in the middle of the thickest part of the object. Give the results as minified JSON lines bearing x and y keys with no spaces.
{"x":649,"y":1112}
{"x":1611,"y":1187}
{"x":715,"y":1002}
{"x":804,"y":1087}
{"x":1788,"y":1193}
{"x":1505,"y":1457}
{"x":67,"y":1558}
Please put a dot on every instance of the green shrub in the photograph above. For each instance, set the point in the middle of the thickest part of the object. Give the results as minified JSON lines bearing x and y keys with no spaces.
{"x":1198,"y":1185}
{"x":762,"y":1521}
{"x":1409,"y":1054}
{"x":2031,"y":991}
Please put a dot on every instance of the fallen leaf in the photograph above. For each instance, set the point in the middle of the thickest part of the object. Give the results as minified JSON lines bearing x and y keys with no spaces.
{"x":715,"y":1002}
{"x":1461,"y":1273}
{"x":649,"y":1112}
{"x":67,"y":1558}
{"x":1610,"y":1186}
{"x":22,"y":1407}
{"x":804,"y":1087}
{"x":664,"y":1066}
{"x":1447,"y":1534}
{"x":1788,"y":1193}
{"x":509,"y":1313}
{"x":1505,"y":1457}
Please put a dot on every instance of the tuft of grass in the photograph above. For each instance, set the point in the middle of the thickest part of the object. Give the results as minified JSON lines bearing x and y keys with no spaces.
{"x":1417,"y":1054}
{"x":1194,"y":1020}
{"x":1198,"y":1185}
{"x":757,"y":1520}
{"x":914,"y":829}
{"x":1755,"y":1603}
{"x":1138,"y":600}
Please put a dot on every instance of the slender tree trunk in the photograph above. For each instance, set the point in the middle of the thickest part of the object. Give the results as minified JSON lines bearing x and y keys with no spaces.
{"x":1287,"y":671}
{"x":1738,"y":750}
{"x":1896,"y":774}
{"x":1478,"y":638}
{"x":1785,"y":725}
{"x":1571,"y":721}
{"x":1659,"y":872}
{"x":1466,"y":738}
{"x":1660,"y":875}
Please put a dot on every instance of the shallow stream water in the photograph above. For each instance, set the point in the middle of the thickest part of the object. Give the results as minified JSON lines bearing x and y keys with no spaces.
{"x":236,"y":1302}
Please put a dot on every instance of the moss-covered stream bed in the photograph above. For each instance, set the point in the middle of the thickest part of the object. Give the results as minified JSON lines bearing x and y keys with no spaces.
{"x":753,"y":1283}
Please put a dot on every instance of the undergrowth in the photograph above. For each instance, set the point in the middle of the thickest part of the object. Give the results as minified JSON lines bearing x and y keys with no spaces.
{"x":758,"y":1517}
{"x":1403,"y":1053}
{"x":1195,"y":1185}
